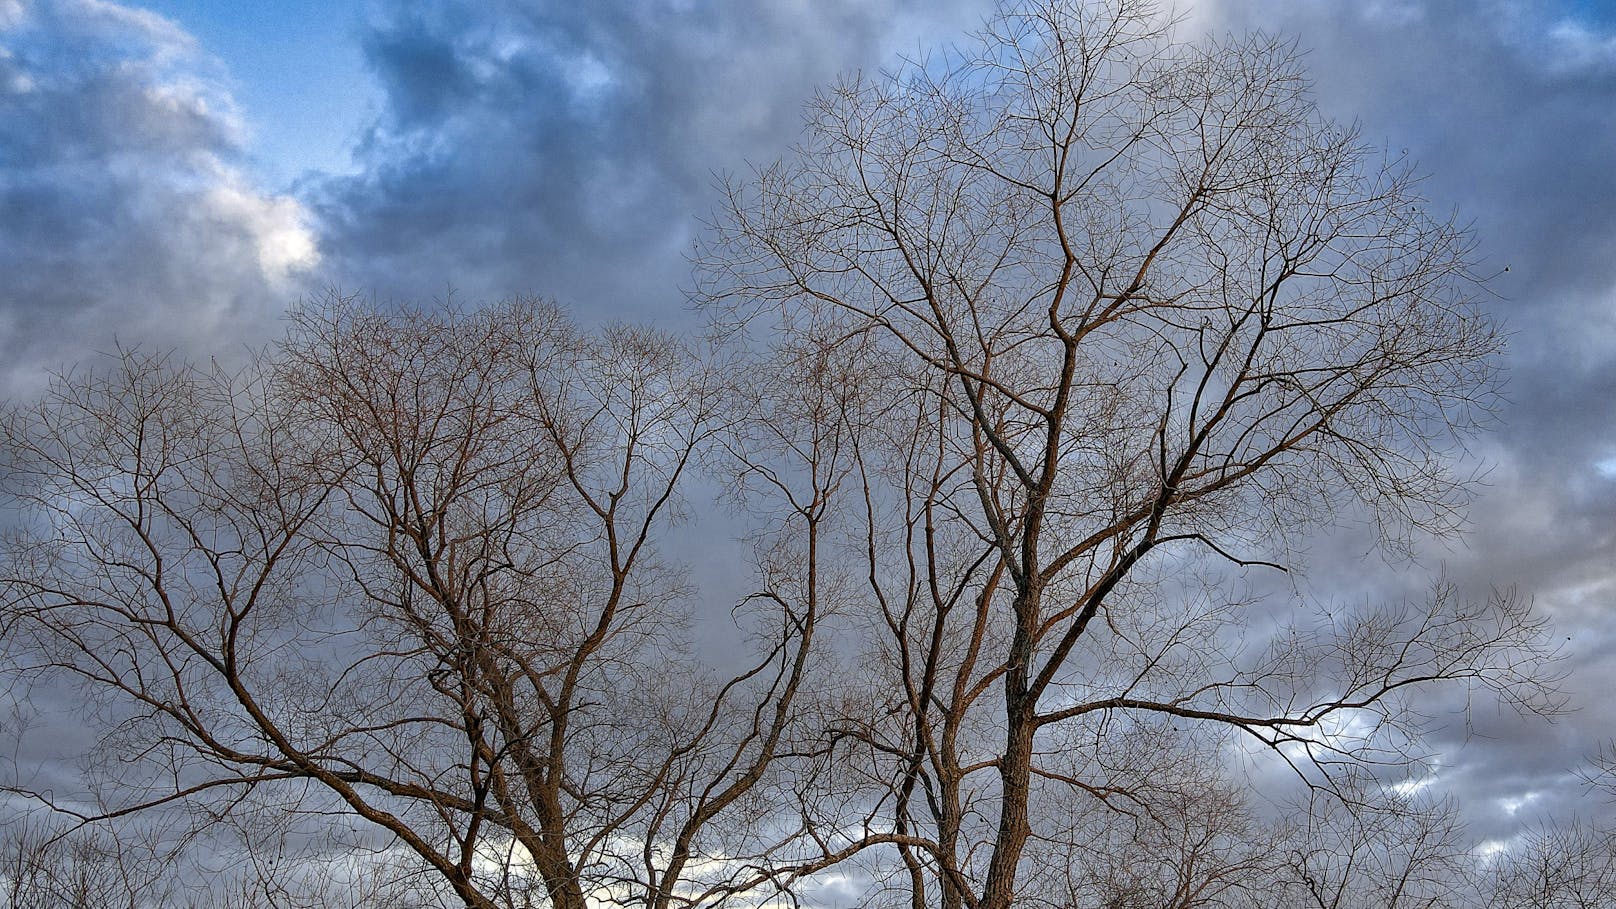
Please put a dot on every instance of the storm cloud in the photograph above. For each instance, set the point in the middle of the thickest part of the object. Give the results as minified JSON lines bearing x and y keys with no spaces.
{"x":126,"y":215}
{"x":1510,"y":110}
{"x":572,"y":150}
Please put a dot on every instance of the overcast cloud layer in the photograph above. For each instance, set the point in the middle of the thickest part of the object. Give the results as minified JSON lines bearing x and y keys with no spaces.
{"x":122,"y":208}
{"x":1510,"y":107}
{"x":571,"y":150}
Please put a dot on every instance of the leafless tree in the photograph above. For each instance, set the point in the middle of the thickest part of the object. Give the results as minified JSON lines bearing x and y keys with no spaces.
{"x":1180,"y":834}
{"x":1558,"y":864}
{"x":1142,"y":317}
{"x":1379,"y":848}
{"x":1057,"y":343}
{"x":52,"y":863}
{"x":1571,"y":866}
{"x":1600,"y":774}
{"x":402,"y":573}
{"x":48,"y":867}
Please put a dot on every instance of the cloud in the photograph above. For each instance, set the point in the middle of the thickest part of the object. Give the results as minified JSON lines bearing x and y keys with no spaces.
{"x":1507,"y":106}
{"x":124,"y":207}
{"x":571,"y":149}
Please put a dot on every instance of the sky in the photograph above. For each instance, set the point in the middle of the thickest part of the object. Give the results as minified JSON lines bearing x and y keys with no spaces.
{"x":178,"y":173}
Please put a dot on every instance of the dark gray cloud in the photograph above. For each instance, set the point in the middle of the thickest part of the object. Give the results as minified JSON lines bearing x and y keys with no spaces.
{"x":1508,"y":107}
{"x":122,"y":209}
{"x":571,"y":149}
{"x":123,"y":218}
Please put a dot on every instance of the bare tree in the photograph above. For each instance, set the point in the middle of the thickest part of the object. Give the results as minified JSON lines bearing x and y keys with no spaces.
{"x":1571,"y":866}
{"x":1180,"y":834}
{"x":51,"y":863}
{"x":403,"y":573}
{"x":1143,"y":317}
{"x":1557,"y":865}
{"x":48,"y":867}
{"x":1062,"y":340}
{"x":1376,"y":849}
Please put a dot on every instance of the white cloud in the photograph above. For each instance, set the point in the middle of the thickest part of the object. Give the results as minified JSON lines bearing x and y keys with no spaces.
{"x":1577,"y":45}
{"x":11,"y":13}
{"x":1512,"y":805}
{"x":114,"y":21}
{"x":136,"y":219}
{"x":277,"y":228}
{"x":1414,"y":785}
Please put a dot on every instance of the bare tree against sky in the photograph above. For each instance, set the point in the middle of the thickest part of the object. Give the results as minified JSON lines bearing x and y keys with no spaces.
{"x":410,"y":559}
{"x":1380,"y":849}
{"x":1151,"y":317}
{"x":41,"y":868}
{"x":1563,"y":866}
{"x":1187,"y":839}
{"x":1058,"y":342}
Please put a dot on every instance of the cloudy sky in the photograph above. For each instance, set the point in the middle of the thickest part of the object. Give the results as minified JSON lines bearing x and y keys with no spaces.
{"x":178,"y":172}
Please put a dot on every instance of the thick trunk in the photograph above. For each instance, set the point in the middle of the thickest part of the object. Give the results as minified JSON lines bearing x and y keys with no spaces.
{"x":549,"y":851}
{"x":560,"y":880}
{"x":1015,"y":772}
{"x":948,"y":842}
{"x":1015,"y":765}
